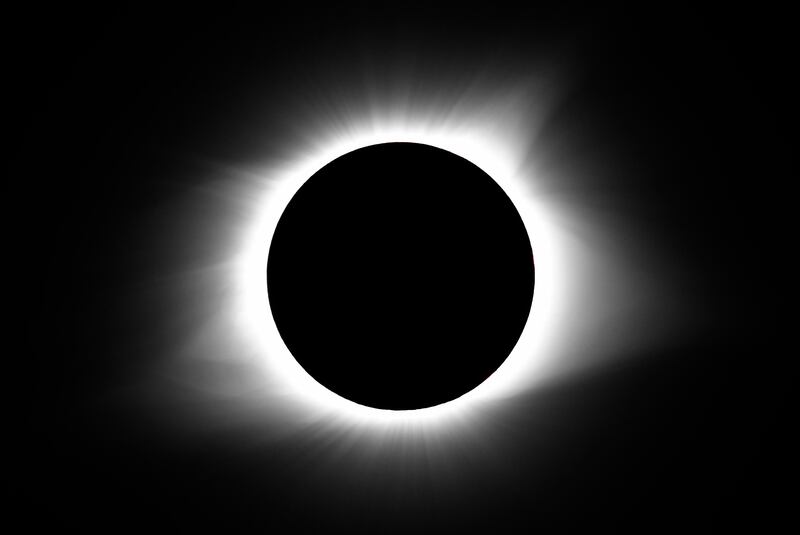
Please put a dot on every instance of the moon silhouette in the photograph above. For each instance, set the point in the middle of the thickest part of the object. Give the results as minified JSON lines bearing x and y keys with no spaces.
{"x":400,"y":276}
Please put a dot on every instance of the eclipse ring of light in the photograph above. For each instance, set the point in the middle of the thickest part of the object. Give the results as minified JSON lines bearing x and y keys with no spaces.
{"x":400,"y":276}
{"x":501,"y":159}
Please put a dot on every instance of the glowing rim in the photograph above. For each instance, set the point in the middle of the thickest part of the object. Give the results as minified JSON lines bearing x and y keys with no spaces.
{"x":490,"y":154}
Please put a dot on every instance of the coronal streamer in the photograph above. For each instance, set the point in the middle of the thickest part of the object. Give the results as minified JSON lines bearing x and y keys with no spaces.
{"x":590,"y":293}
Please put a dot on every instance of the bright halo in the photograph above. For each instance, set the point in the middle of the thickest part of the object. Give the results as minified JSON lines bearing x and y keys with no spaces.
{"x":496,"y":151}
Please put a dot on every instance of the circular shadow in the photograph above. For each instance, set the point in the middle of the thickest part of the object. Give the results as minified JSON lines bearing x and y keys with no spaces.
{"x":400,"y":276}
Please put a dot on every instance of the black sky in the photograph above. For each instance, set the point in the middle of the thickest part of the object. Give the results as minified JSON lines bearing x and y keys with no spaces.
{"x":112,"y":103}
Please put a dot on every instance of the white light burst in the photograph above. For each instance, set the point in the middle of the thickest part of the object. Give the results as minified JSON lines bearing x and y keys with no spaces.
{"x":469,"y":141}
{"x":586,"y":295}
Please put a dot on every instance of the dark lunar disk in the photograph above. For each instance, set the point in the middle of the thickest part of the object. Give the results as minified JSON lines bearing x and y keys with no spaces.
{"x":400,"y":276}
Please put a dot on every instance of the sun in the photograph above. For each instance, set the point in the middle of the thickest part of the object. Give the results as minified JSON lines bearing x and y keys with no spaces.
{"x":473,"y":141}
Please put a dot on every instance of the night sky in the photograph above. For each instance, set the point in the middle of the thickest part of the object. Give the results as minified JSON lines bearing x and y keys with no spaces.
{"x":140,"y":134}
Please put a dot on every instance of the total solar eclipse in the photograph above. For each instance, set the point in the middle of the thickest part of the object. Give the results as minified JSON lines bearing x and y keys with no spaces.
{"x":400,"y":276}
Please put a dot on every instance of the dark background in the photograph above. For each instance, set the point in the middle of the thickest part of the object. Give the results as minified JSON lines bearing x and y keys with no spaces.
{"x":105,"y":102}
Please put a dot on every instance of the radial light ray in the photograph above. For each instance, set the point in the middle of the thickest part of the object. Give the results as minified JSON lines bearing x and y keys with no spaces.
{"x":587,"y":288}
